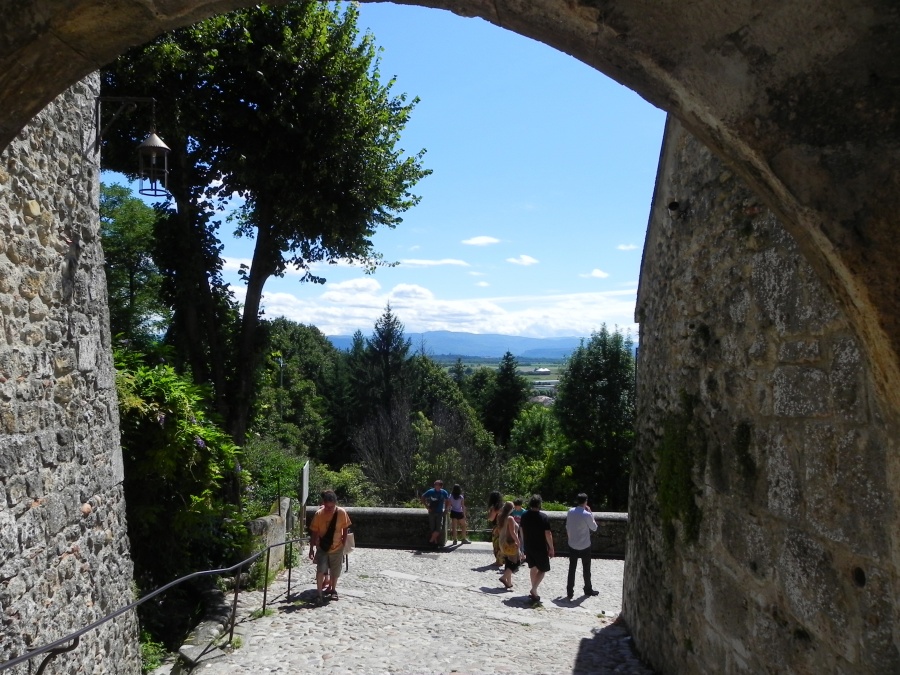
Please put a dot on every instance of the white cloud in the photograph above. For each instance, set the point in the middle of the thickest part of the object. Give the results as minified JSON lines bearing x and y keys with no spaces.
{"x":321,"y":268}
{"x":478,"y":274}
{"x":412,"y":262}
{"x":410,"y":293}
{"x":483,"y":284}
{"x":342,"y":308}
{"x":626,"y":247}
{"x":523,"y":260}
{"x":595,"y":274}
{"x":481,"y":241}
{"x":234,"y":264}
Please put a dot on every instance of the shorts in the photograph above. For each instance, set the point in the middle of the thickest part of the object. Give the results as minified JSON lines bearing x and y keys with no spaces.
{"x":512,"y":565}
{"x":539,"y":559}
{"x":457,"y":515}
{"x":329,"y":562}
{"x":436,"y":521}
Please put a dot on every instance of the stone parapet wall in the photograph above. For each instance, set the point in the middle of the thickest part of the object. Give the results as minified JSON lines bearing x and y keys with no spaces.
{"x":764,"y":485}
{"x":64,"y":558}
{"x":270,"y":530}
{"x":408,"y":528}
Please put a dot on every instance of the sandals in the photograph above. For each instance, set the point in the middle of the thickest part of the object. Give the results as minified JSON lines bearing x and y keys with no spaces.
{"x":534,"y":598}
{"x":334,"y":596}
{"x":507,"y":585}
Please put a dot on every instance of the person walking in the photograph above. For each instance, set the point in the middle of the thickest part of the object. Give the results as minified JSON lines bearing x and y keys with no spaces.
{"x":517,"y":513}
{"x":509,"y":544}
{"x":495,"y":505}
{"x":579,"y":525}
{"x":328,"y":532}
{"x":434,"y":499}
{"x":535,"y":527}
{"x":458,"y":514}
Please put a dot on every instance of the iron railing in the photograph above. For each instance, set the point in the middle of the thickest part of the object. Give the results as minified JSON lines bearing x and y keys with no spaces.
{"x":60,"y":646}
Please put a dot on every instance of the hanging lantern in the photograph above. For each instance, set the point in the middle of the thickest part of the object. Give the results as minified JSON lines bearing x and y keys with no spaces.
{"x":154,"y":166}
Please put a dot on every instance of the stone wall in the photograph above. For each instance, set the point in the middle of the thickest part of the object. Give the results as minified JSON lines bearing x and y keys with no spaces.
{"x":408,"y":528}
{"x":272,"y":529}
{"x":64,"y":559}
{"x":763,"y":497}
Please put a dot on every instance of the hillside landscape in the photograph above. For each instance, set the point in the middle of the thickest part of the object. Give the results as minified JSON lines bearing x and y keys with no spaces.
{"x":451,"y":343}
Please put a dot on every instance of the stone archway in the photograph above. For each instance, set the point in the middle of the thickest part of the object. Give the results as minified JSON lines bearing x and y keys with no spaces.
{"x":803,"y":102}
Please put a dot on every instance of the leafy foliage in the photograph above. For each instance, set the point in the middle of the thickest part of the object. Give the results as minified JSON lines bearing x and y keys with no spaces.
{"x":271,"y":472}
{"x":175,"y":459}
{"x":413,"y":422}
{"x":595,"y":409}
{"x":505,"y":399}
{"x":285,"y":107}
{"x":498,"y":395}
{"x":291,"y":405}
{"x":350,"y":483}
{"x":152,"y":653}
{"x":133,"y":281}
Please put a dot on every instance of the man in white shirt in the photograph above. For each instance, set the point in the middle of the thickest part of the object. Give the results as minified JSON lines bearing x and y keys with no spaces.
{"x":579,"y":525}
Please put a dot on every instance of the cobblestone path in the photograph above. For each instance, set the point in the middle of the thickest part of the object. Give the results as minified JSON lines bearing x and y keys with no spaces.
{"x":413,"y":612}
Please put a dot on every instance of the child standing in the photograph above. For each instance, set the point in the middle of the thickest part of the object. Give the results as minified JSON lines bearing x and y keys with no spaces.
{"x":458,"y":514}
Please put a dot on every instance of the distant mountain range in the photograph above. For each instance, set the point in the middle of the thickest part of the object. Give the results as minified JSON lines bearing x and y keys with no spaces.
{"x":449,"y":343}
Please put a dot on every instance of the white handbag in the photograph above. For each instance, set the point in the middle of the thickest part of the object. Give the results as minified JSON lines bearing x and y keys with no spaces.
{"x":349,"y":543}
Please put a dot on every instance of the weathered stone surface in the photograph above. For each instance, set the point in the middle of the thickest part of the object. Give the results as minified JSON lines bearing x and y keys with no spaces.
{"x":793,"y":566}
{"x":63,"y":548}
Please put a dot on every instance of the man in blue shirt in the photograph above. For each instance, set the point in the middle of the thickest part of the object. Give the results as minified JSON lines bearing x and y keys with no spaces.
{"x":434,"y":500}
{"x":579,"y":525}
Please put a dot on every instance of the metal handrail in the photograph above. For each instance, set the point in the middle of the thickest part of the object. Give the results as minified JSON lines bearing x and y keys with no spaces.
{"x":57,"y":647}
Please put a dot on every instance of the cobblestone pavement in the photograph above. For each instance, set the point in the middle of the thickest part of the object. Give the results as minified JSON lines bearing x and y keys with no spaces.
{"x":423,"y":612}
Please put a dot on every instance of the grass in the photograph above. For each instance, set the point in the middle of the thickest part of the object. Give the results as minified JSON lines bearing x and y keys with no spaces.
{"x":152,"y":653}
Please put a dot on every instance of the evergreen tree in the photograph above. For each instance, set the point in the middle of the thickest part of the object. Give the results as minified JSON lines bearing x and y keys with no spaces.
{"x":387,"y":356}
{"x":595,"y":407}
{"x":458,"y":374}
{"x":505,"y":399}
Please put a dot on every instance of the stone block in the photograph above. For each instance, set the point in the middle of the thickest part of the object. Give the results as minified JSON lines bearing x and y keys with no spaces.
{"x":800,"y":392}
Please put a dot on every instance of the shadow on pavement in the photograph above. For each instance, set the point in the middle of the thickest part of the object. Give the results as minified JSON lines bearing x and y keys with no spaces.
{"x":612,"y":639}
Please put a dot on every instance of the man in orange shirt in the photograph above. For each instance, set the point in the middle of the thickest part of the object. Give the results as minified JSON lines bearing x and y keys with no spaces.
{"x":328,"y":531}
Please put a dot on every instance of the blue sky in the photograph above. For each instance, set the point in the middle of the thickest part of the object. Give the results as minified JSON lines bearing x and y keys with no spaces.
{"x":533,"y":220}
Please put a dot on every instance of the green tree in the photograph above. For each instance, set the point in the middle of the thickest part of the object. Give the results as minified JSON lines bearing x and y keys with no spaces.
{"x":478,"y":389}
{"x":504,"y":400}
{"x":383,"y":438}
{"x":451,"y":441}
{"x":291,"y":405}
{"x":387,"y":357}
{"x":595,"y":407}
{"x":458,"y":373}
{"x":285,"y":107}
{"x":535,"y":431}
{"x":133,"y":281}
